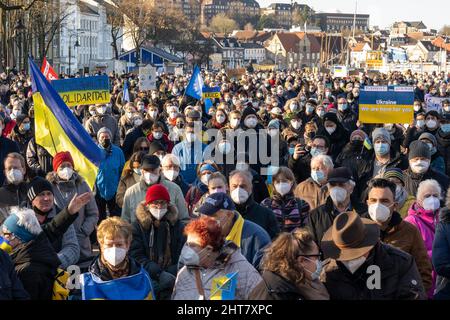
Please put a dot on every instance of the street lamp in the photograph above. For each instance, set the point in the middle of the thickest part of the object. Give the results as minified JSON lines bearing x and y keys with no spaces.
{"x":77,"y":44}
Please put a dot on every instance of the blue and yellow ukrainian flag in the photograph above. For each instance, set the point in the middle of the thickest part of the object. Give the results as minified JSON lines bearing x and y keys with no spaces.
{"x":57,"y":129}
{"x":5,"y":245}
{"x":224,"y":288}
{"x":135,"y":287}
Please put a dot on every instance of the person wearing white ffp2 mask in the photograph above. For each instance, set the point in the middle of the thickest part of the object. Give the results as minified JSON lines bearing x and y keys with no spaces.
{"x":241,"y":189}
{"x":419,"y":159}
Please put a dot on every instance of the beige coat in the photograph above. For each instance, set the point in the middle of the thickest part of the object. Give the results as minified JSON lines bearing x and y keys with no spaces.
{"x":312,"y":193}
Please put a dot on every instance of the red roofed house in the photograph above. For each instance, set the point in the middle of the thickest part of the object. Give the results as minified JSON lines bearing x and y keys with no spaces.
{"x":358,"y":54}
{"x":294,"y":50}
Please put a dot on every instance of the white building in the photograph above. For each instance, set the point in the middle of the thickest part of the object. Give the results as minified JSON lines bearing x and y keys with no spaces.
{"x":358,"y":54}
{"x":86,"y":34}
{"x":253,"y":52}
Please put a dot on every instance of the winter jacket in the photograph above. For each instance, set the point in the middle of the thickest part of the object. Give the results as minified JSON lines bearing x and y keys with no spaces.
{"x":300,"y":167}
{"x":262,"y":216}
{"x":438,"y":163}
{"x":157,"y":244}
{"x":11,"y":288}
{"x":348,"y":120}
{"x":109,"y":172}
{"x":6,"y":147}
{"x":98,"y":269}
{"x":412,"y":180}
{"x":86,"y":222}
{"x":400,"y":279}
{"x":276,"y":287}
{"x":136,"y":194}
{"x":130,"y":139}
{"x":35,"y":263}
{"x":321,"y":219}
{"x":62,"y":237}
{"x":404,"y":236}
{"x":314,"y":194}
{"x":164,"y":141}
{"x":126,"y":181}
{"x":38,"y":159}
{"x":425,"y":221}
{"x":443,"y":145}
{"x":182,"y":184}
{"x":441,"y":256}
{"x":11,"y":195}
{"x":231,"y":261}
{"x":94,"y":124}
{"x":412,"y":133}
{"x":290,"y":211}
{"x":125,"y":126}
{"x":190,"y":155}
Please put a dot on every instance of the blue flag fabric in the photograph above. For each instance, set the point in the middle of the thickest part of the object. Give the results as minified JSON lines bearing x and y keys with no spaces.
{"x":135,"y":287}
{"x":195,"y":86}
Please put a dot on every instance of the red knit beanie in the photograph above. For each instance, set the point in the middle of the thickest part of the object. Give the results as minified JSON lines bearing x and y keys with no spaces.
{"x":61,"y":157}
{"x":157,"y":192}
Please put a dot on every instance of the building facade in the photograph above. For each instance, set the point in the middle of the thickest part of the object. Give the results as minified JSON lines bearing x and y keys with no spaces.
{"x":190,"y":8}
{"x":337,"y":22}
{"x":211,"y":8}
{"x":282,"y":13}
{"x":233,"y":53}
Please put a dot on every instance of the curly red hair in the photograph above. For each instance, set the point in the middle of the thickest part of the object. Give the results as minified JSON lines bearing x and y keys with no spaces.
{"x":208,"y":230}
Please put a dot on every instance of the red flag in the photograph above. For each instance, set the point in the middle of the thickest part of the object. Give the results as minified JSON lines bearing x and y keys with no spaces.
{"x":48,"y":71}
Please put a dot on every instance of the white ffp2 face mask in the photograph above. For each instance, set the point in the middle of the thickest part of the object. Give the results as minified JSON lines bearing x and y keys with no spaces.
{"x":171,"y":174}
{"x":283,"y":188}
{"x":338,"y":194}
{"x":379,"y":212}
{"x":158,"y":213}
{"x":431,"y":203}
{"x":114,"y":255}
{"x":239,"y":195}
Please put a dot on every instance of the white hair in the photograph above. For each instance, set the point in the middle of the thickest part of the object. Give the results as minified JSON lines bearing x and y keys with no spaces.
{"x":246,"y":174}
{"x":27,"y":220}
{"x":325,"y":160}
{"x":425,"y":186}
{"x":170,"y":158}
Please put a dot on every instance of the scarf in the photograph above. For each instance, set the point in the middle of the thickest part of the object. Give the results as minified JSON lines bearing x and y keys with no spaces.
{"x":161,"y":254}
{"x":235,"y":234}
{"x":120,"y":271}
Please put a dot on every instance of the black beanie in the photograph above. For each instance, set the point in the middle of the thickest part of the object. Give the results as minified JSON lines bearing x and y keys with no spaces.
{"x":248,"y":111}
{"x":419,"y":149}
{"x":36,"y":186}
{"x":330,"y":116}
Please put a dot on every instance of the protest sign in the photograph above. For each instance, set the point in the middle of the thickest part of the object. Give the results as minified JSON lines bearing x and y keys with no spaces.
{"x":434,"y":103}
{"x":340,"y":71}
{"x":80,"y":91}
{"x":211,"y":93}
{"x":147,"y":78}
{"x":386,"y":104}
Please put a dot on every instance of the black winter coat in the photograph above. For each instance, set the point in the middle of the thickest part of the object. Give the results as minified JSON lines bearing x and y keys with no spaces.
{"x":443,"y":145}
{"x":36,"y":263}
{"x":400,"y":279}
{"x":129,"y":141}
{"x":412,"y":180}
{"x":6,"y":147}
{"x":338,"y":140}
{"x":321,"y":218}
{"x":11,"y":287}
{"x":260,"y":215}
{"x":275,"y":287}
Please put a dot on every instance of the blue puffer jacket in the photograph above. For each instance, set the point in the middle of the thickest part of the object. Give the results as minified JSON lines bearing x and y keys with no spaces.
{"x":109,"y":172}
{"x":441,"y":255}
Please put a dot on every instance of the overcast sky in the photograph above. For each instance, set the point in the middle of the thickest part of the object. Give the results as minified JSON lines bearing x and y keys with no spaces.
{"x":434,"y":13}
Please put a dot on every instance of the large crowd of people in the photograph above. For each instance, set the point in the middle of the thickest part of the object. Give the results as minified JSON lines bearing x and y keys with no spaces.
{"x":186,"y":196}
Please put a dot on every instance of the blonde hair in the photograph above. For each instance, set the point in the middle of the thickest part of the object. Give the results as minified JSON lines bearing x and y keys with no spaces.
{"x":114,"y":227}
{"x":281,"y":256}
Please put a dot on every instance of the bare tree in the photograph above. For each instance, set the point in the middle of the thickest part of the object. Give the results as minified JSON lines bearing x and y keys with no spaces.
{"x":222,"y":24}
{"x":115,"y":19}
{"x":445,"y":30}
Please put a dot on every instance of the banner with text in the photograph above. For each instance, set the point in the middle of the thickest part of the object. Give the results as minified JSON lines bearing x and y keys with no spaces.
{"x":87,"y":90}
{"x":211,"y":93}
{"x":386,"y":104}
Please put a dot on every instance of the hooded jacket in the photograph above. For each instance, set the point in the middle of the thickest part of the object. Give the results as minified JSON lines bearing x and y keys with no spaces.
{"x":157,"y":244}
{"x":36,"y":263}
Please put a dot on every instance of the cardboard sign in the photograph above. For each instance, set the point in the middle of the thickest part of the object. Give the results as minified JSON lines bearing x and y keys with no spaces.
{"x":340,"y":71}
{"x":147,"y":78}
{"x":434,"y":103}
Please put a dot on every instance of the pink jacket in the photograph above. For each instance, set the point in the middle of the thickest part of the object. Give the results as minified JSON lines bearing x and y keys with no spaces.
{"x":425,"y":221}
